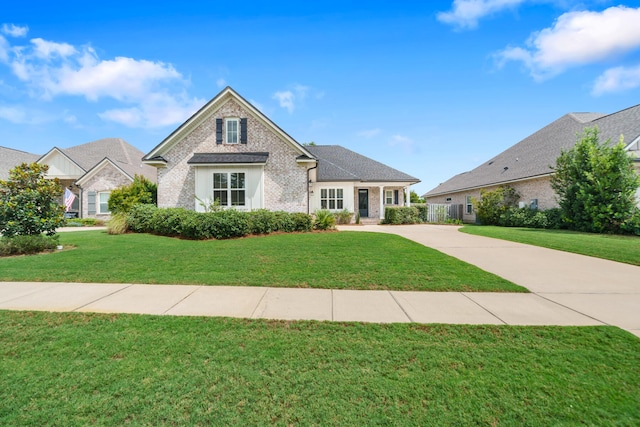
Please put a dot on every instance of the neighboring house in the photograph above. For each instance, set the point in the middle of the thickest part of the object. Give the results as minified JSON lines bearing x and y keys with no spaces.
{"x":231,"y":152}
{"x":10,"y":158}
{"x":527,"y":165}
{"x":93,"y":169}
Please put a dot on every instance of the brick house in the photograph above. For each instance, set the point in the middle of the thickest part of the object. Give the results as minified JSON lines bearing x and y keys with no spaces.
{"x":231,"y":152}
{"x":527,"y":165}
{"x":92,"y":170}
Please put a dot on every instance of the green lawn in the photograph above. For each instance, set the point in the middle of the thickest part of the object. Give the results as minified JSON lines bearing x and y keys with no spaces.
{"x":340,"y":260}
{"x":77,"y":369}
{"x":616,"y":248}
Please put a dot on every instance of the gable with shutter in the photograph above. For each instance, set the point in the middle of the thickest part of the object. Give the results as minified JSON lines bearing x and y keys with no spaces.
{"x":243,"y":131}
{"x":218,"y":131}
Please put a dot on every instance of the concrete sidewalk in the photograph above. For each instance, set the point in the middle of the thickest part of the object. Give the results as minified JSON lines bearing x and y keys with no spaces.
{"x":568,"y":289}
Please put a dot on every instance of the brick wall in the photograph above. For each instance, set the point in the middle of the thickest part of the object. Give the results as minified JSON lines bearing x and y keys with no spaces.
{"x":107,"y":179}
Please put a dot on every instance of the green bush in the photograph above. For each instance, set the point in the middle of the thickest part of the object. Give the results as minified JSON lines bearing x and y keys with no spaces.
{"x":262,"y":221}
{"x":140,"y":191}
{"x":324,"y":220}
{"x":27,"y":244}
{"x":83,"y":222}
{"x":493,"y":204}
{"x":140,"y":218}
{"x":117,"y":224}
{"x":302,"y":222}
{"x":401,"y":215}
{"x":169,"y":221}
{"x":423,"y":211}
{"x":343,"y":217}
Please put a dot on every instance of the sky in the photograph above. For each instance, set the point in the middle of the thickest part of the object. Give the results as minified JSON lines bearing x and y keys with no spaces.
{"x":432,"y":88}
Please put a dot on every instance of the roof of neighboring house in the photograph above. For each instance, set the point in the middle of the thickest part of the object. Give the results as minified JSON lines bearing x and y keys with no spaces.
{"x":121,"y":153}
{"x":536,"y":154}
{"x":336,"y":163}
{"x":10,"y":158}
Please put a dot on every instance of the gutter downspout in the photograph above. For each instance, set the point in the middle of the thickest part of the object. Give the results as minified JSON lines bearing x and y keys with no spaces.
{"x":308,"y":195}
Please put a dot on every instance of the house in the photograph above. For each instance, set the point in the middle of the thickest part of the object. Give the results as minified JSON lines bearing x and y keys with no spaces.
{"x":90,"y":171}
{"x":10,"y":158}
{"x":527,"y":165}
{"x":230,"y":152}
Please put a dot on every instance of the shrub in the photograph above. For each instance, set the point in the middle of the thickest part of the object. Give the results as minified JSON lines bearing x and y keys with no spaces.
{"x":401,"y":215}
{"x":140,"y":191}
{"x":117,"y":224}
{"x":262,"y":221}
{"x":302,"y":222}
{"x":228,"y":224}
{"x":343,"y":217}
{"x":140,"y":218}
{"x":493,"y":204}
{"x":423,"y":211}
{"x":324,"y":220}
{"x":27,"y":244}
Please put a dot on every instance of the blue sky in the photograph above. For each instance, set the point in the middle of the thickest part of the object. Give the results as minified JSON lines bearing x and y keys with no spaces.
{"x":432,"y":88}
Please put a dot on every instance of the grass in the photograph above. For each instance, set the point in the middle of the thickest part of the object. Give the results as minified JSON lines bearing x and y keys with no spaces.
{"x":76,"y":369}
{"x":344,"y":260}
{"x":624,"y":249}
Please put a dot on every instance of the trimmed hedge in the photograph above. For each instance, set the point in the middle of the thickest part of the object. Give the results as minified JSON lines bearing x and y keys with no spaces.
{"x":26,"y":245}
{"x":401,"y":215}
{"x":224,"y":224}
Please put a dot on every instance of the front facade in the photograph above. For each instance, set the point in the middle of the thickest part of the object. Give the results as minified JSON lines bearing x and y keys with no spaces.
{"x":527,"y":165}
{"x":91,"y":171}
{"x":229,"y":153}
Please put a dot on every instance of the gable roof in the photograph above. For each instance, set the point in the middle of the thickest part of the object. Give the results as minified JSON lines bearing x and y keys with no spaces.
{"x":155,"y":156}
{"x":123,"y":155}
{"x":536,"y":154}
{"x":100,"y":166}
{"x":10,"y":158}
{"x":336,"y":163}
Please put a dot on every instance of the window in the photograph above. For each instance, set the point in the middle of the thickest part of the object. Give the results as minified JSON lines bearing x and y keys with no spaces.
{"x":229,"y":188}
{"x":388,"y":197}
{"x":332,"y":198}
{"x":232,"y":131}
{"x":469,"y":205}
{"x":103,"y":205}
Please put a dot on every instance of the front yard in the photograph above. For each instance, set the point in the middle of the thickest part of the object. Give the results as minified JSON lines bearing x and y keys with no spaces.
{"x":76,"y":369}
{"x":340,"y":260}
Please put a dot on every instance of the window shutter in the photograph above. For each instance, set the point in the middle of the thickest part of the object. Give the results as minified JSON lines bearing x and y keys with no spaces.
{"x":218,"y":131}
{"x":91,"y":202}
{"x":243,"y":131}
{"x":395,"y":197}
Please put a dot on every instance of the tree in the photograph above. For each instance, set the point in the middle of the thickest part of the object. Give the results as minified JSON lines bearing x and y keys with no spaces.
{"x":29,"y":203}
{"x":493,"y":204}
{"x":596,"y":184}
{"x":140,"y":191}
{"x":414,"y":198}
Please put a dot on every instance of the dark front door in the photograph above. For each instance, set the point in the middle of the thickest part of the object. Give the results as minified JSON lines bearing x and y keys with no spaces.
{"x":363,"y":202}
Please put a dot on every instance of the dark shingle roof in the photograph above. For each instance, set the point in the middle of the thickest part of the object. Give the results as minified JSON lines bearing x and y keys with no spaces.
{"x":124,"y":155}
{"x":336,"y":163}
{"x":537,"y":153}
{"x":217,"y":158}
{"x":10,"y":158}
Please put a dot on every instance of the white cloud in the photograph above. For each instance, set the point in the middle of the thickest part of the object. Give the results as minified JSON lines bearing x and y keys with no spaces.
{"x":466,"y":13}
{"x":617,"y":79}
{"x":152,"y":92}
{"x":403,"y":142}
{"x":578,"y":38}
{"x":369,"y":133}
{"x":22,"y":116}
{"x":14,"y":30}
{"x":291,"y":98}
{"x":221,"y":83}
{"x":4,"y":49}
{"x":285,"y":99}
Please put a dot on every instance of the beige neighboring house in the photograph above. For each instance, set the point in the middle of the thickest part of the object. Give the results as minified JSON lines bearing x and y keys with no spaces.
{"x":231,"y":152}
{"x":527,"y":165}
{"x":10,"y":158}
{"x":92,"y":170}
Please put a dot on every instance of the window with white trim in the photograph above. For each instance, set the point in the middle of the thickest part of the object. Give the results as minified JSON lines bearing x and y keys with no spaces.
{"x":332,"y":198}
{"x":469,"y":205}
{"x":229,"y":188}
{"x":388,"y":197}
{"x":103,"y":202}
{"x":232,"y":128}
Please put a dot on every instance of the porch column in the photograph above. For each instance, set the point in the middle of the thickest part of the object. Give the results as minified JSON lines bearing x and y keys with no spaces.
{"x":407,"y":202}
{"x":381,"y":202}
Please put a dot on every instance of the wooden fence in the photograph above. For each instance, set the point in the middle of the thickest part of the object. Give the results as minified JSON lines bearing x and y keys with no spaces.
{"x":440,"y":213}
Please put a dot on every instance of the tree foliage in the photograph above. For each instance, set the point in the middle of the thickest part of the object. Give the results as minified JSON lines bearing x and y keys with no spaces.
{"x":493,"y":204}
{"x":140,"y":191}
{"x":414,"y":198}
{"x":596,"y":184}
{"x":30,"y":203}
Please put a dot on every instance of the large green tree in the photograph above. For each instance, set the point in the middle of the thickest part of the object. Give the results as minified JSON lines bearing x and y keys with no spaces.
{"x":596,"y":186}
{"x":29,"y":203}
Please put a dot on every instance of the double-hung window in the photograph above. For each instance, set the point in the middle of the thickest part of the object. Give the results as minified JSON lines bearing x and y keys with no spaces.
{"x":469,"y":205}
{"x":103,"y":202}
{"x":388,"y":197}
{"x":229,"y":188}
{"x":331,"y":198}
{"x":232,"y":126}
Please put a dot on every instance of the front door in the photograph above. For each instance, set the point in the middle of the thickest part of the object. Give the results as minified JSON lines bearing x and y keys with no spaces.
{"x":363,"y":202}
